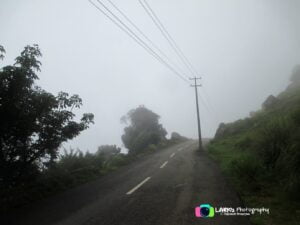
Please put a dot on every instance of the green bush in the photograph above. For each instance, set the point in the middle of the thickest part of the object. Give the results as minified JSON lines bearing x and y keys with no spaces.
{"x":248,"y":170}
{"x":245,"y":142}
{"x":295,"y":116}
{"x":274,"y":140}
{"x":289,"y":167}
{"x":118,"y":160}
{"x":74,"y":160}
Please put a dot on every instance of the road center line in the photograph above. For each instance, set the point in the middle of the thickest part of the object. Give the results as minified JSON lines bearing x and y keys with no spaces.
{"x":171,"y":156}
{"x":138,"y":186}
{"x":164,"y":164}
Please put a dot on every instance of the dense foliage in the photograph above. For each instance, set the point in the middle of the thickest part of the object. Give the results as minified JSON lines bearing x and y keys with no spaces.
{"x":34,"y":123}
{"x":144,"y":130}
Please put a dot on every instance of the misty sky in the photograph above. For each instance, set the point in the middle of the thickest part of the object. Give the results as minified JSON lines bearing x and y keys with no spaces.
{"x":244,"y":51}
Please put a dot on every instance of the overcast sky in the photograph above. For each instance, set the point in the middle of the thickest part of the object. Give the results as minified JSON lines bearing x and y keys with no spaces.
{"x":244,"y":51}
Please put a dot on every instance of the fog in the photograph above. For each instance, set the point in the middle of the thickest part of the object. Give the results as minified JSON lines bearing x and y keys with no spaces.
{"x":243,"y":50}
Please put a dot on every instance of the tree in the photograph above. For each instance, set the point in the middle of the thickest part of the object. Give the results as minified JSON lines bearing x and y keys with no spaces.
{"x":34,"y":123}
{"x":144,"y":129}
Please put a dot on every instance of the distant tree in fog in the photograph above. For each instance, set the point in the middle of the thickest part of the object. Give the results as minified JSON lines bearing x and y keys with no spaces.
{"x":144,"y":129}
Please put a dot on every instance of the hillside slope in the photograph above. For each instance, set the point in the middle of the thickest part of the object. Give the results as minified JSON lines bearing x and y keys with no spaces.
{"x":261,"y":156}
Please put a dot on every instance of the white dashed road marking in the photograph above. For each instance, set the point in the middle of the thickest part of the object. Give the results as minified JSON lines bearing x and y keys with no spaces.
{"x":164,"y":164}
{"x":138,"y":186}
{"x":171,"y":156}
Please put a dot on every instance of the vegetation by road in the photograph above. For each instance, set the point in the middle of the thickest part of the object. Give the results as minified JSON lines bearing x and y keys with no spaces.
{"x":260,"y":155}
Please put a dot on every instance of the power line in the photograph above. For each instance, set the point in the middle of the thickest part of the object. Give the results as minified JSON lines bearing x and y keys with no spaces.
{"x":167,"y":36}
{"x":117,"y":24}
{"x":172,"y":39}
{"x":144,"y":44}
{"x":134,"y":36}
{"x":145,"y":36}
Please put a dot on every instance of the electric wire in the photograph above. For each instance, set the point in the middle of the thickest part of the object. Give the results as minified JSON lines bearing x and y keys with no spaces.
{"x":153,"y":16}
{"x":118,"y":22}
{"x":144,"y":44}
{"x":145,"y":36}
{"x":134,"y":36}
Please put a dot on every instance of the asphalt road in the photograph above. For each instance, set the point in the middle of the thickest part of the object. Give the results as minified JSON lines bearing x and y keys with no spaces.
{"x":163,"y":188}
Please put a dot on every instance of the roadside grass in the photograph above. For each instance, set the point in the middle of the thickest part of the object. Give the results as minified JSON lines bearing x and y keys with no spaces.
{"x":252,"y":183}
{"x":282,"y":211}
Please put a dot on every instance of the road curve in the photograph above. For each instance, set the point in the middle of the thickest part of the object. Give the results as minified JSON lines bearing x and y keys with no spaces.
{"x":163,"y":188}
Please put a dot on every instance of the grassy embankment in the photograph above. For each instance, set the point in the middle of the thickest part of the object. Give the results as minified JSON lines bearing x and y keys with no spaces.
{"x":260,"y":155}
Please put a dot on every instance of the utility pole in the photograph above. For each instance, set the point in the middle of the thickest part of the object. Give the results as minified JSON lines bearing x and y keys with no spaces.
{"x":197,"y":106}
